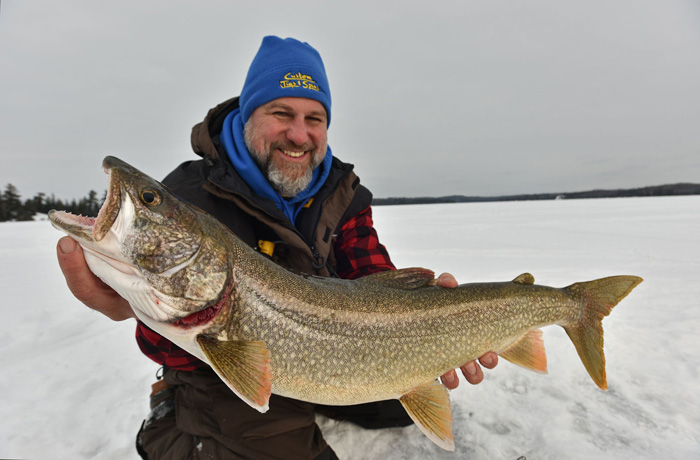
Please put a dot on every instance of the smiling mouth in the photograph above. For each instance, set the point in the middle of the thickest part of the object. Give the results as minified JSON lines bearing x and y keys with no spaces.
{"x":294,"y":154}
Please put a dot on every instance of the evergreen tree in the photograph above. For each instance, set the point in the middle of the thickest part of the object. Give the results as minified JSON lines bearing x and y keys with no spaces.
{"x":27,"y":210}
{"x":39,"y":203}
{"x":3,"y":211}
{"x":12,"y":203}
{"x":93,"y":204}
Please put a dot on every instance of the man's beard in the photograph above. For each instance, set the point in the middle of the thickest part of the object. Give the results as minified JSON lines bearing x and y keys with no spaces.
{"x":284,"y":185}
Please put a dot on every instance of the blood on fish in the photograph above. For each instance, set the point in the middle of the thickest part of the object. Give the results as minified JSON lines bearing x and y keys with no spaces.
{"x":203,"y":316}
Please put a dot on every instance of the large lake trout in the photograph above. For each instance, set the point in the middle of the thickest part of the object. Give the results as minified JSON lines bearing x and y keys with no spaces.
{"x":264,"y":329}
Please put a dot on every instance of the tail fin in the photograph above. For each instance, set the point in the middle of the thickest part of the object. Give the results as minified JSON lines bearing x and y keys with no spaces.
{"x":599,"y":296}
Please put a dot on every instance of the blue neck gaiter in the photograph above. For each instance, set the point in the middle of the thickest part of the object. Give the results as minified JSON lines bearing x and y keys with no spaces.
{"x":233,"y":141}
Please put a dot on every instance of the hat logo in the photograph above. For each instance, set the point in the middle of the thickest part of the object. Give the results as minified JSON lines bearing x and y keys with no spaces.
{"x":299,"y":80}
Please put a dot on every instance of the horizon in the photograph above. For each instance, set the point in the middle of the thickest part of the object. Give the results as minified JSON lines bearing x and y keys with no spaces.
{"x":104,"y":191}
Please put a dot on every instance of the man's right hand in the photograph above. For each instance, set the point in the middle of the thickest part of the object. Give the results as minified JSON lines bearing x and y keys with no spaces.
{"x":85,"y":286}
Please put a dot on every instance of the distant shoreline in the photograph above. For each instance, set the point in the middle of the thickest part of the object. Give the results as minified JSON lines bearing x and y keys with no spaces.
{"x":656,"y":190}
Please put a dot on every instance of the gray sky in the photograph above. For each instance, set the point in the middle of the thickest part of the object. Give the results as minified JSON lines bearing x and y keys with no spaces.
{"x":429,"y":98}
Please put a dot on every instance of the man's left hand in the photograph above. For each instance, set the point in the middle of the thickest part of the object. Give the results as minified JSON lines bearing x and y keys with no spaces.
{"x":471,"y":370}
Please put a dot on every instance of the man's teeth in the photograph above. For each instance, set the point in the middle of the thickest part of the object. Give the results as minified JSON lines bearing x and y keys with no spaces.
{"x":293,"y":154}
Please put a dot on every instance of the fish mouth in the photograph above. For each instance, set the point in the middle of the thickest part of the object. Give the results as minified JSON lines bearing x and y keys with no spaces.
{"x":102,"y":239}
{"x":92,"y":229}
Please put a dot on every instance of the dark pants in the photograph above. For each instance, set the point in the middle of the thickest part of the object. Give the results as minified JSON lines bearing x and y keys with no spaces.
{"x":199,"y":417}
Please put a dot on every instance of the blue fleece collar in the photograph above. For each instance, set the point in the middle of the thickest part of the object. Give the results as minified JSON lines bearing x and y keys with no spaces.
{"x":233,"y":141}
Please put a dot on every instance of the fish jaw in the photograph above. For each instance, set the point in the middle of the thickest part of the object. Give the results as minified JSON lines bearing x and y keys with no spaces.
{"x":106,"y":260}
{"x":111,"y":248}
{"x":101,"y":234}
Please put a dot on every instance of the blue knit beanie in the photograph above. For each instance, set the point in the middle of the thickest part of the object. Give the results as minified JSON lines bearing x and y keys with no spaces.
{"x":284,"y":68}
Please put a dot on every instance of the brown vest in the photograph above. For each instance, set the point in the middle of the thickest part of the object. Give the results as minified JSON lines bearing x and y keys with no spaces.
{"x":306,"y":248}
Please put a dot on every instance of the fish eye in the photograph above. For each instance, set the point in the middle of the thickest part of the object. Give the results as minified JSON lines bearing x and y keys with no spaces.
{"x":150,"y":197}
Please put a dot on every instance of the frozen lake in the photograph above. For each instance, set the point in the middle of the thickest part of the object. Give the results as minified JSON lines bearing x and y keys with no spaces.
{"x":75,"y":386}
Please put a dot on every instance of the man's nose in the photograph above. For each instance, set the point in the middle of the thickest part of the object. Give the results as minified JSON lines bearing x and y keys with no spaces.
{"x":297,"y":132}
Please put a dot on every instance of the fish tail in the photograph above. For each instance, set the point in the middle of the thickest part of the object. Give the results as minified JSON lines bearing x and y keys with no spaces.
{"x":599,"y":297}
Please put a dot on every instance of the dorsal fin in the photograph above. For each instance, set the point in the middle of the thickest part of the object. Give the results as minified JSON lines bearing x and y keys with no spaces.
{"x":405,"y":278}
{"x":525,"y":278}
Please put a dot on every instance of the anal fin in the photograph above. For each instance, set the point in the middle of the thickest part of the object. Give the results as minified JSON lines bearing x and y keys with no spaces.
{"x":429,"y":407}
{"x":244,"y":366}
{"x":528,"y":352}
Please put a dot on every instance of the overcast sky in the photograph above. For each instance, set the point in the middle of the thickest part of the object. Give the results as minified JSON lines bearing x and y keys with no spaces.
{"x":479,"y":97}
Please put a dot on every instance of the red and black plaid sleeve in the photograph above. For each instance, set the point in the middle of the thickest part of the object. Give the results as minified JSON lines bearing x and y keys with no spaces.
{"x":163,"y":351}
{"x":358,"y":252}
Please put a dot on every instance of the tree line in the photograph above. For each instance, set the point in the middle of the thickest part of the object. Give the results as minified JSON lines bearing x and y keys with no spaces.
{"x":683,"y":188}
{"x":13,"y":208}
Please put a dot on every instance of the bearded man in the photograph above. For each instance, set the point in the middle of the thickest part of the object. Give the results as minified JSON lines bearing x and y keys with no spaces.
{"x":267,"y":173}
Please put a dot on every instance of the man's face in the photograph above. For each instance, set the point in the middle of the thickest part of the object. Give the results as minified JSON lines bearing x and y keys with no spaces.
{"x":287,"y":137}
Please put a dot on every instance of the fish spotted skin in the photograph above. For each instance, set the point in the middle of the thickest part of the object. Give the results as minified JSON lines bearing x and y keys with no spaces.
{"x":265,"y":329}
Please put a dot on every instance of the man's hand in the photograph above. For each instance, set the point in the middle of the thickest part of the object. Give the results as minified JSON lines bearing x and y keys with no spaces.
{"x":85,"y":286}
{"x":471,"y":370}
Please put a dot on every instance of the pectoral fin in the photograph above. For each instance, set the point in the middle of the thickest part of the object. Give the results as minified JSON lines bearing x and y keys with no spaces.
{"x":528,"y":352}
{"x":429,"y":407}
{"x":244,"y":366}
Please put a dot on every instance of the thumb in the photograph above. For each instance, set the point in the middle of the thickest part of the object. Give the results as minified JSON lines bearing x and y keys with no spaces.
{"x":67,"y":245}
{"x":78,"y":276}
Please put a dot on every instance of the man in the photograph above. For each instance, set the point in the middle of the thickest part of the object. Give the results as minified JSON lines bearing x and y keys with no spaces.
{"x":268,"y":174}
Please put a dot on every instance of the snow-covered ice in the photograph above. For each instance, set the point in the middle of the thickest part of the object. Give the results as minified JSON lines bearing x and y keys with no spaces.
{"x":75,"y":386}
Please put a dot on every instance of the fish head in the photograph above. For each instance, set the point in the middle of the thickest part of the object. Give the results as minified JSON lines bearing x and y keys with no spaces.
{"x":153,"y":249}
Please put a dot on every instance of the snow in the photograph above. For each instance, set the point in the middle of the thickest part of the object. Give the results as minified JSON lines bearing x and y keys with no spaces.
{"x":75,"y":386}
